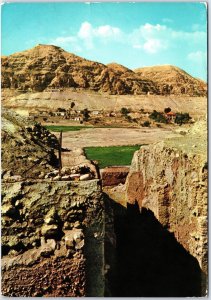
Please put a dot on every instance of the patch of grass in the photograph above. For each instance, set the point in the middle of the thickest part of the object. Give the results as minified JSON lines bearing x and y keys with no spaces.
{"x":111,"y":156}
{"x":58,"y":128}
{"x":64,"y":128}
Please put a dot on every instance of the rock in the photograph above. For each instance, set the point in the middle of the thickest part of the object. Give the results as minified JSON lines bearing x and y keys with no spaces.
{"x":16,"y":178}
{"x":57,"y":178}
{"x":66,"y":177}
{"x":78,"y":235}
{"x":55,"y":172}
{"x":8,"y":210}
{"x":75,"y":176}
{"x":67,"y":225}
{"x":69,"y":239}
{"x":85,"y":177}
{"x":79,"y":244}
{"x":49,"y":230}
{"x":66,"y":171}
{"x":77,"y":224}
{"x":51,"y":217}
{"x":48,"y":248}
{"x":42,"y":175}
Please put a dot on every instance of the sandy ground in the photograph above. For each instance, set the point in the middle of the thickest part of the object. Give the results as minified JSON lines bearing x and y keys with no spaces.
{"x":114,"y":137}
{"x":23,"y":103}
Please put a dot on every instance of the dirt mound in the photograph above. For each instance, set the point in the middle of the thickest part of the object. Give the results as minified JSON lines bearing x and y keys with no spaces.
{"x":27,"y":148}
{"x":173,"y":80}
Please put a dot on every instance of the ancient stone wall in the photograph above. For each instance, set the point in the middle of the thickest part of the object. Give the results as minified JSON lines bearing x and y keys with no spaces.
{"x":172,"y":183}
{"x":52,"y":238}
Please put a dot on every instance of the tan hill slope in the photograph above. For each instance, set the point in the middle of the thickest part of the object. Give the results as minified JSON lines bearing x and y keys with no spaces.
{"x":47,"y":67}
{"x":173,"y":80}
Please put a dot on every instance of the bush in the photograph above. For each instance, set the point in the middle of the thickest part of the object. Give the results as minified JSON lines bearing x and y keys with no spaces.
{"x":167,"y":110}
{"x":182,"y":118}
{"x":158,"y":117}
{"x":124,"y":111}
{"x":72,"y":104}
{"x":128,"y":118}
{"x":146,"y":124}
{"x":85,"y":113}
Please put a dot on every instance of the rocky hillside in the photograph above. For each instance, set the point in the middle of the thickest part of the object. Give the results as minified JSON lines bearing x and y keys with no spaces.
{"x":173,"y":80}
{"x":47,"y":67}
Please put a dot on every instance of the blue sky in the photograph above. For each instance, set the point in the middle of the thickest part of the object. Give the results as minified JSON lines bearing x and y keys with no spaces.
{"x":132,"y":34}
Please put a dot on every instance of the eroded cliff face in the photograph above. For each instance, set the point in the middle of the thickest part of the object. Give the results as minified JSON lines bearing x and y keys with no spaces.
{"x":52,"y":239}
{"x":170,"y":179}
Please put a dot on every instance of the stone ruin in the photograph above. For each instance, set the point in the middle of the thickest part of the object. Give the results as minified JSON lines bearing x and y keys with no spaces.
{"x":62,"y":236}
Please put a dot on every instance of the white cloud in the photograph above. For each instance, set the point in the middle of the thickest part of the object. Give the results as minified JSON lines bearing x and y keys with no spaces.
{"x":107,"y":31}
{"x":150,"y":38}
{"x":153,"y":46}
{"x":88,"y":33}
{"x":85,"y":31}
{"x":197,"y":57}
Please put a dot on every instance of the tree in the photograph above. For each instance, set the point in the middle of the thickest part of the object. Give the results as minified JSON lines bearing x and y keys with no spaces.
{"x":86,"y":115}
{"x":146,"y":124}
{"x":124,"y":111}
{"x":158,"y":117}
{"x":167,"y":110}
{"x":182,"y":118}
{"x":72,"y":104}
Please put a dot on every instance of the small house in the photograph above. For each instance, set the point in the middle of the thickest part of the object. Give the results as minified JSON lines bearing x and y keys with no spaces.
{"x":170,"y":116}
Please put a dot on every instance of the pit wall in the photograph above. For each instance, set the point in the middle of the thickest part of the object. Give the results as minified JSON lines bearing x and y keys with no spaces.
{"x":173,"y":185}
{"x":52,"y":239}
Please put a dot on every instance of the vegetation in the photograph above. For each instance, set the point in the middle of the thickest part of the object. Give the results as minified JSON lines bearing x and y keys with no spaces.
{"x":158,"y":117}
{"x":72,"y":104}
{"x":86,"y":115}
{"x":146,"y":124}
{"x":182,"y":118}
{"x":124,"y":111}
{"x":112,"y":156}
{"x":60,"y":109}
{"x":167,"y":110}
{"x":58,"y":128}
{"x":64,"y":128}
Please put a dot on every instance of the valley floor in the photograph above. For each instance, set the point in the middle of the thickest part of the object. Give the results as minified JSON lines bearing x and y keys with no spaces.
{"x":114,"y":136}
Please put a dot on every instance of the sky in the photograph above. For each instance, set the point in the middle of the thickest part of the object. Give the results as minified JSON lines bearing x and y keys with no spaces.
{"x":132,"y":34}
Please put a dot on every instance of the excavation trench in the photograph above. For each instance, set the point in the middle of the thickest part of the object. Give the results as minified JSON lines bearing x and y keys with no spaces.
{"x":143,"y":259}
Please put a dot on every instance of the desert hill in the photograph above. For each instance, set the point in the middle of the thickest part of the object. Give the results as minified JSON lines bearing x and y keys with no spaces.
{"x":173,"y":80}
{"x":47,"y":67}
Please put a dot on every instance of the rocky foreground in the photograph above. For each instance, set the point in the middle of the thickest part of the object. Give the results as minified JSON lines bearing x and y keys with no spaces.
{"x":61,"y":236}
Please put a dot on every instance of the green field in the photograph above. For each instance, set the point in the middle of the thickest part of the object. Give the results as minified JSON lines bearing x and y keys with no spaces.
{"x":64,"y":128}
{"x":58,"y":128}
{"x":111,"y":156}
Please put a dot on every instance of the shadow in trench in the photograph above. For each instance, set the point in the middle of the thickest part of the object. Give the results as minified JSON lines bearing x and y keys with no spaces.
{"x":147,"y":260}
